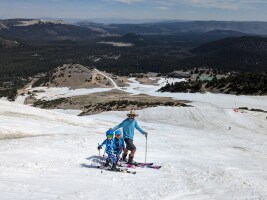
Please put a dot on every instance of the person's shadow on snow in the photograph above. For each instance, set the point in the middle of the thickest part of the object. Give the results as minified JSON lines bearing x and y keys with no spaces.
{"x":84,"y":165}
{"x":96,"y":161}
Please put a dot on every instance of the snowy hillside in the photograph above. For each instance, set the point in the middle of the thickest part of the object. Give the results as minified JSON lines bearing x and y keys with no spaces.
{"x":38,"y":21}
{"x":200,"y":157}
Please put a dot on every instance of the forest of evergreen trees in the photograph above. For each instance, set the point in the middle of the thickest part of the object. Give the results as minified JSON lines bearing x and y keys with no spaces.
{"x":161,"y":54}
{"x":236,"y":83}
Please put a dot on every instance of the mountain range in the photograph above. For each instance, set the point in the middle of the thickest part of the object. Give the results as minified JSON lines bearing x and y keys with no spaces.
{"x":57,"y":29}
{"x":30,"y":46}
{"x":259,"y":28}
{"x":40,"y":29}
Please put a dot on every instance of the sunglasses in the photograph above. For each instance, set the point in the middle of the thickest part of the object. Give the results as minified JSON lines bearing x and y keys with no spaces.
{"x":117,"y":136}
{"x":109,"y":136}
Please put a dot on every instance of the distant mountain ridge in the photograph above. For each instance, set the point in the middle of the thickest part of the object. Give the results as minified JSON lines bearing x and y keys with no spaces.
{"x":40,"y":29}
{"x":57,"y":29}
{"x":259,"y":28}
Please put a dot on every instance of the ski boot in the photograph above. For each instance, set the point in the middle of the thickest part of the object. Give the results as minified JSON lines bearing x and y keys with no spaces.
{"x":114,"y":167}
{"x":106,"y":164}
{"x":131,"y":161}
{"x":124,"y":159}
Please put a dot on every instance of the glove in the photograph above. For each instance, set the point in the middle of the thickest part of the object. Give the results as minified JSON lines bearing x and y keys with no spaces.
{"x":146,"y":133}
{"x":99,"y":147}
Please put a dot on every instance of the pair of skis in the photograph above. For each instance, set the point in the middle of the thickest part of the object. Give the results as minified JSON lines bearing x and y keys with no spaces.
{"x":143,"y":165}
{"x":122,"y":170}
{"x":124,"y":167}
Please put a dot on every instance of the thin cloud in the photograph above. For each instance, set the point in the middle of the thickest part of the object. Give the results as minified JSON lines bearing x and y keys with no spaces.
{"x":129,"y":1}
{"x":222,"y":4}
{"x":162,"y":8}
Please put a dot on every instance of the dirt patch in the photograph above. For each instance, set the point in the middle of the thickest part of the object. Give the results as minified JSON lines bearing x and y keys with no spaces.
{"x":121,"y":81}
{"x":114,"y":100}
{"x":17,"y":136}
{"x":148,"y":81}
{"x":239,"y":148}
{"x":75,"y":76}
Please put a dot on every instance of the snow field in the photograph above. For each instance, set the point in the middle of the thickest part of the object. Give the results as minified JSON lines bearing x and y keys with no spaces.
{"x":199,"y":160}
{"x":200,"y":157}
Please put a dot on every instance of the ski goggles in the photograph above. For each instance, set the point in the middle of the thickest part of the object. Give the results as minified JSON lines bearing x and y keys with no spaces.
{"x":109,"y":136}
{"x":118,"y":136}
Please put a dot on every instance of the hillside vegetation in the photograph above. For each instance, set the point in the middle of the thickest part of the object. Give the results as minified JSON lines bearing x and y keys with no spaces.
{"x":242,"y":53}
{"x":237,"y":83}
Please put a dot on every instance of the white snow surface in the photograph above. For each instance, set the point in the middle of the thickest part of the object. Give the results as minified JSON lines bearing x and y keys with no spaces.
{"x":118,"y":44}
{"x":69,"y":111}
{"x":38,"y":21}
{"x":200,"y":157}
{"x":64,"y":92}
{"x":21,"y":98}
{"x":3,"y":98}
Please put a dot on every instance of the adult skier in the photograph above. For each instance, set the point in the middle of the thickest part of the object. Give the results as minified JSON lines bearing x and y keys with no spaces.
{"x":128,"y":126}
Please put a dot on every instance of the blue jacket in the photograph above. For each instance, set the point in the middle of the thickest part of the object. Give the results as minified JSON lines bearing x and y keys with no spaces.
{"x":109,"y":146}
{"x":118,"y":145}
{"x":128,"y":127}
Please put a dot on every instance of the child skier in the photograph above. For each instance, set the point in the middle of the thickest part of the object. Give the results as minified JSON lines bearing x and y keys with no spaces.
{"x":109,"y":142}
{"x":118,"y":143}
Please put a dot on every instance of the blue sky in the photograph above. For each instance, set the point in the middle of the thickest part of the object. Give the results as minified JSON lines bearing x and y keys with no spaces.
{"x":243,"y":10}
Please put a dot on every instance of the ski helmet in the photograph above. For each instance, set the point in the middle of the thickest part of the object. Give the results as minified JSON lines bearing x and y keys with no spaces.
{"x":118,"y":132}
{"x":109,"y":132}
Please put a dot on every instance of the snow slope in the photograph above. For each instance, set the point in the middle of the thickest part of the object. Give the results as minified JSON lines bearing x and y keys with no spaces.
{"x":200,"y":157}
{"x":64,"y":92}
{"x":38,"y":21}
{"x":217,"y":100}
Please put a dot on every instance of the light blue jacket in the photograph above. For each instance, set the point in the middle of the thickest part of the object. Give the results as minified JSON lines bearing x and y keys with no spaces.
{"x":128,"y":127}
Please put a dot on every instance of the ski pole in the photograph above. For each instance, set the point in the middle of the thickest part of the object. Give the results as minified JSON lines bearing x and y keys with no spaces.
{"x":102,"y":164}
{"x":146,"y":149}
{"x":101,"y":160}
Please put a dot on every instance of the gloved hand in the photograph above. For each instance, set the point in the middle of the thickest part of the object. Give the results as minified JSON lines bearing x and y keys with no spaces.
{"x":146,"y":133}
{"x":99,"y":147}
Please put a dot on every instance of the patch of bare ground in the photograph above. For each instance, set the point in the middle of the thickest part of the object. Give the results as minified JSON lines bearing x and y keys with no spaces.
{"x":76,"y":76}
{"x":148,"y":81}
{"x":14,"y":136}
{"x":24,"y":90}
{"x":114,"y":100}
{"x":121,"y":81}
